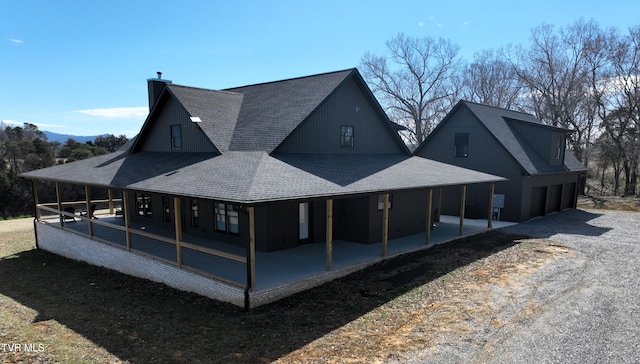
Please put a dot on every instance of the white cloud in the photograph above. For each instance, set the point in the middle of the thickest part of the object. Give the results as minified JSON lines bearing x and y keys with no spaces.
{"x":466,"y":23}
{"x":440,"y":25}
{"x":39,"y":125}
{"x":10,"y":122}
{"x":421,"y":24}
{"x":16,"y":41}
{"x":430,"y":18}
{"x":118,"y":112}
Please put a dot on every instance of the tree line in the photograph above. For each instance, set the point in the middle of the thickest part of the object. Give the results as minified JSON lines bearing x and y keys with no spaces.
{"x":25,"y":148}
{"x":582,"y":77}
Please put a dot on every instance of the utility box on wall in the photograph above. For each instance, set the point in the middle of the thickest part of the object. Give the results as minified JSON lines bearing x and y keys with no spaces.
{"x":498,"y":203}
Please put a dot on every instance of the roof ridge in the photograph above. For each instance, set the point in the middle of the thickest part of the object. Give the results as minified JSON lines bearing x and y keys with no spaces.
{"x":496,"y":107}
{"x":290,"y":79}
{"x":203,"y":89}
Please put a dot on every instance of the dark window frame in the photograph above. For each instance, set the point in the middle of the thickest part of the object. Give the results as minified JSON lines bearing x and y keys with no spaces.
{"x":226,"y":218}
{"x":176,"y":136}
{"x":346,"y":136}
{"x":461,"y":145}
{"x":195,"y":216}
{"x":143,"y":205}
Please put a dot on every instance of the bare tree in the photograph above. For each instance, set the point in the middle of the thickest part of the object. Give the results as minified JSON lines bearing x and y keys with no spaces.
{"x":492,"y":80}
{"x":619,"y":104}
{"x":415,"y":81}
{"x":555,"y":70}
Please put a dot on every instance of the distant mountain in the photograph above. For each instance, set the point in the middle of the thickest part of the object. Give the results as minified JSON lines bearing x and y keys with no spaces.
{"x":62,"y":138}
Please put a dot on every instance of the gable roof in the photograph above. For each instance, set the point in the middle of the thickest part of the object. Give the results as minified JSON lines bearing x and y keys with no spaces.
{"x":246,"y":124}
{"x":218,"y":111}
{"x":271,"y":111}
{"x":499,"y":123}
{"x":258,"y":117}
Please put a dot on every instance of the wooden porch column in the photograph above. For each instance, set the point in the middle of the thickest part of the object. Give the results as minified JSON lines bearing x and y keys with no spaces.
{"x":439,"y":204}
{"x":463,"y":198}
{"x":251,"y":251}
{"x":490,"y":212}
{"x":127,"y":218}
{"x":329,"y":235}
{"x":385,"y":224}
{"x":427,"y":235}
{"x":178,"y":225}
{"x":34,"y":187}
{"x":59,"y":204}
{"x":87,"y":196}
{"x":110,"y":202}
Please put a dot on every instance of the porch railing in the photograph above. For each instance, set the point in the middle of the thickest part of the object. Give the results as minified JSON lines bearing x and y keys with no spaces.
{"x":61,"y":216}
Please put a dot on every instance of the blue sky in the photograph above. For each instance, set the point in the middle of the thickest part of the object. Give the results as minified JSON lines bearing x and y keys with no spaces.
{"x":80,"y":67}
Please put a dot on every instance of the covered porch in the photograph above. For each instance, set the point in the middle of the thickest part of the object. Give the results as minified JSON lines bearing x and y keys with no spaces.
{"x":277,"y":274}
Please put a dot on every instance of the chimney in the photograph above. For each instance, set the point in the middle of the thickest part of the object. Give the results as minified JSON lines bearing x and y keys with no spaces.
{"x":155,"y":85}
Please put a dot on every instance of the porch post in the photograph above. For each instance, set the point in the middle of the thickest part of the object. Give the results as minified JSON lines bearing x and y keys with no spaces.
{"x":34,"y":187}
{"x":127,"y":218}
{"x":87,"y":196}
{"x":59,"y":204}
{"x":178,"y":223}
{"x":462,"y":205}
{"x":251,"y":251}
{"x":329,"y":235}
{"x":110,"y":202}
{"x":490,"y":212}
{"x":385,"y":224}
{"x":439,"y":204}
{"x":427,"y":234}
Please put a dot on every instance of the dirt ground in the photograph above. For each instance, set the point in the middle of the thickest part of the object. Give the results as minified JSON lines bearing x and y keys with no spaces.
{"x":472,"y":300}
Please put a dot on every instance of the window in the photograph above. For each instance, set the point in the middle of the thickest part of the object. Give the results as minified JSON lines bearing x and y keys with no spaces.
{"x":143,"y":204}
{"x":558,"y":147}
{"x":166,"y":209}
{"x":194,"y":213}
{"x":226,"y":218}
{"x":346,"y":136}
{"x":462,"y":145}
{"x":381,"y":202}
{"x":176,"y":137}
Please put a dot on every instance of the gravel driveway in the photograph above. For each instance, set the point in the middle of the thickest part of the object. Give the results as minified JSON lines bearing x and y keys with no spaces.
{"x":581,"y":309}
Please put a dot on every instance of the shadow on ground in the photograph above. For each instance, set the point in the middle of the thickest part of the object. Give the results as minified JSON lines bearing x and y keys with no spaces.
{"x":573,"y":222}
{"x":144,"y":322}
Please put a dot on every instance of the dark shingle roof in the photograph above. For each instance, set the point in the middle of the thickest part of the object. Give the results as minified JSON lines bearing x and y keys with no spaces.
{"x":251,"y":177}
{"x":271,"y":111}
{"x":218,"y":111}
{"x":499,"y":123}
{"x":246,"y":124}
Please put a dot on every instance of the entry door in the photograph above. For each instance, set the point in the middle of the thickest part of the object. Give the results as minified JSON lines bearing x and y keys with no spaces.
{"x":304,"y":222}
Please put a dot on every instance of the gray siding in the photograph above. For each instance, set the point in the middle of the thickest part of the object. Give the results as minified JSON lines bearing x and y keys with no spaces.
{"x":351,"y":219}
{"x":320,"y":132}
{"x":170,"y":112}
{"x":549,"y":193}
{"x":543,"y":140}
{"x":407,"y":215}
{"x":486,"y":154}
